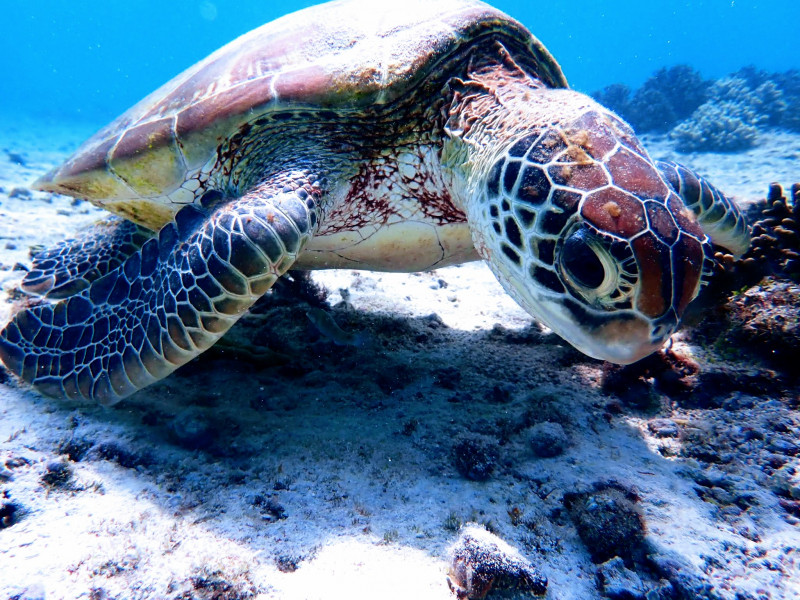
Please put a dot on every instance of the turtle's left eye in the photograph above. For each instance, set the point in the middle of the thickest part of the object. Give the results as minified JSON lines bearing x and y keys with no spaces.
{"x":581,"y":262}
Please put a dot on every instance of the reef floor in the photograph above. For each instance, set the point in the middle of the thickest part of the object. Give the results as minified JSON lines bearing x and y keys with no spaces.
{"x":282,"y":465}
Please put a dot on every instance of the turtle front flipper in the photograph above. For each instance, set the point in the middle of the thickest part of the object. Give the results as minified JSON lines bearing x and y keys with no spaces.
{"x":72,"y":265}
{"x":717,"y":214}
{"x":168,"y":302}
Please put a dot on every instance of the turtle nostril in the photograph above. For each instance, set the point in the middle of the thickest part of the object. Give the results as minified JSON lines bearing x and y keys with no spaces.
{"x":581,"y":262}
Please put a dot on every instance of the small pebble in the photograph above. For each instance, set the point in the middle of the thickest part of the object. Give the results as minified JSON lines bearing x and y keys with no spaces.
{"x":619,"y":583}
{"x":663,"y":428}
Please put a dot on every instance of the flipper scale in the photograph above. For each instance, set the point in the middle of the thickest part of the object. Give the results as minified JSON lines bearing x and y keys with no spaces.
{"x":718,"y":215}
{"x":164,"y":304}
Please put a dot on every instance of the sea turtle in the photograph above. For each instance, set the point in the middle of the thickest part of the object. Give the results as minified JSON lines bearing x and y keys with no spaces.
{"x":406,"y":138}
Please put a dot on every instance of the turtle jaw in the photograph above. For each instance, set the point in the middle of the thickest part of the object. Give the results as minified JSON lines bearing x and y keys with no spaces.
{"x":620,"y":337}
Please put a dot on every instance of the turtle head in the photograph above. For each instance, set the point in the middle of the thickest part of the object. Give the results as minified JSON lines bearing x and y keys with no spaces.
{"x":582,"y":230}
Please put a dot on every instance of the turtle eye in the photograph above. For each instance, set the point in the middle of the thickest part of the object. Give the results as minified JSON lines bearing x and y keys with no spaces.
{"x":581,"y":262}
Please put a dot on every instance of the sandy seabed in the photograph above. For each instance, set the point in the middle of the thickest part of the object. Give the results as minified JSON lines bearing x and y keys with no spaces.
{"x":281,"y":465}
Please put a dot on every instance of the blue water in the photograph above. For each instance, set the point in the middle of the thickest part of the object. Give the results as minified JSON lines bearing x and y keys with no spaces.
{"x":92,"y":59}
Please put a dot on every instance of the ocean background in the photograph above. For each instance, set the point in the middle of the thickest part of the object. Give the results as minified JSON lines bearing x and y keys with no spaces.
{"x":89,"y":60}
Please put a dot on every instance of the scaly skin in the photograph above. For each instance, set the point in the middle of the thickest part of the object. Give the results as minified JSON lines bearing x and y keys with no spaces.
{"x":168,"y":302}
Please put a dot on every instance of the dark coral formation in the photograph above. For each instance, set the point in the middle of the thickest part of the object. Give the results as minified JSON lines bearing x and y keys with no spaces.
{"x":751,"y":305}
{"x":640,"y":385}
{"x":764,"y":320}
{"x":480,"y":561}
{"x":776,"y":234}
{"x":700,"y":115}
{"x":730,"y":119}
{"x":669,"y":96}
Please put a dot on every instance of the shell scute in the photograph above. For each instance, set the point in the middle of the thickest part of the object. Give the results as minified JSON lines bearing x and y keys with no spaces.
{"x":148,"y":159}
{"x":311,"y":84}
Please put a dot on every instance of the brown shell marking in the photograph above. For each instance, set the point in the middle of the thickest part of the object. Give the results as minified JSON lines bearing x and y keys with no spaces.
{"x":345,"y":56}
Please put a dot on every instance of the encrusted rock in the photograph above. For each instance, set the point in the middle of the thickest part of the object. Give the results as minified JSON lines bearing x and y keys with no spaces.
{"x":481,"y":561}
{"x":608,"y":521}
{"x":58,"y":475}
{"x":9,"y":511}
{"x":762,"y":321}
